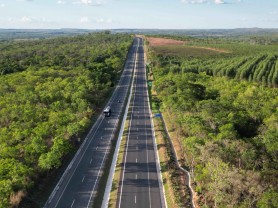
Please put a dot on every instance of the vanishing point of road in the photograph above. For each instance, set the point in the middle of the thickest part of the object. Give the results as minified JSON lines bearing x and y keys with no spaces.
{"x":140,"y":184}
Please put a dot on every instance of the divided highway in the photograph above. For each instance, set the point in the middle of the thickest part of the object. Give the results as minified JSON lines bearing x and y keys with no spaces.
{"x":140,"y":184}
{"x":79,"y":184}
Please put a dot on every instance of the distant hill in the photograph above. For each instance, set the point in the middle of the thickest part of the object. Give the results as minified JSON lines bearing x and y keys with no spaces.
{"x":13,"y":34}
{"x":202,"y":32}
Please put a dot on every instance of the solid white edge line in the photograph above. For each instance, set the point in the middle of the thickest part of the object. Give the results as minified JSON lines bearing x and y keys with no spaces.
{"x":162,"y":191}
{"x":72,"y":203}
{"x":115,"y":157}
{"x":147,"y":150}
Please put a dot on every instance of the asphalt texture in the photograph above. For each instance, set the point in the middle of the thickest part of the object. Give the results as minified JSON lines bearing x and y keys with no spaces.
{"x":79,"y":184}
{"x":139,"y":185}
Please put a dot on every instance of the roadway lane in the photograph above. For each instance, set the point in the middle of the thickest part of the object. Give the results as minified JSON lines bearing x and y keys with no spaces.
{"x":79,"y":183}
{"x":139,"y":185}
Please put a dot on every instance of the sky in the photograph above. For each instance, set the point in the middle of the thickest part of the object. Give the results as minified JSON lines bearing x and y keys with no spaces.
{"x":139,"y":14}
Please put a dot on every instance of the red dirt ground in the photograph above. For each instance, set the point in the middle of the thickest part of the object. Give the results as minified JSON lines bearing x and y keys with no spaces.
{"x":164,"y":41}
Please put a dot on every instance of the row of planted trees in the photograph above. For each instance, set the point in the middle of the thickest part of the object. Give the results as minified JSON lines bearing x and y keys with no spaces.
{"x":49,"y":90}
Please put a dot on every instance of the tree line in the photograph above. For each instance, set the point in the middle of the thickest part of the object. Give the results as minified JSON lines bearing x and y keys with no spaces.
{"x":228,"y":126}
{"x":49,"y":91}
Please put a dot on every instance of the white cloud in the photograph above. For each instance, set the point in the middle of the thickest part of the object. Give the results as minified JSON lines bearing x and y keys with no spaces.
{"x":28,"y":19}
{"x":2,"y":5}
{"x":270,"y":19}
{"x":25,"y":19}
{"x":61,"y":2}
{"x":211,"y":1}
{"x":194,"y":1}
{"x":105,"y":21}
{"x":219,"y":2}
{"x":86,"y":1}
{"x":273,"y":13}
{"x":24,"y":0}
{"x":89,"y":2}
{"x":84,"y":19}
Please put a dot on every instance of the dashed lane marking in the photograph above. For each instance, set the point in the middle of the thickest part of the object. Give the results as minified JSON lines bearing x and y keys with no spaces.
{"x":72,"y":203}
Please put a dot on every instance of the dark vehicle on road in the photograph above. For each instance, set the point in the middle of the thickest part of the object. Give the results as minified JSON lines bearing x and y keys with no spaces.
{"x":107,"y":111}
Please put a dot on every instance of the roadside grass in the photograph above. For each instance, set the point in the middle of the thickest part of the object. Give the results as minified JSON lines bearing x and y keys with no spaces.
{"x":165,"y":163}
{"x":171,"y":176}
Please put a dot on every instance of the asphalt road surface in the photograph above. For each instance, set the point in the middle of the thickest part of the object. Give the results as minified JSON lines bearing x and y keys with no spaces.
{"x":139,"y":185}
{"x":79,"y":184}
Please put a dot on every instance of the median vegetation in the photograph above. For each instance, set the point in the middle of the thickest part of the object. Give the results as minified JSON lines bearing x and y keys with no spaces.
{"x":223,"y":106}
{"x":49,"y":91}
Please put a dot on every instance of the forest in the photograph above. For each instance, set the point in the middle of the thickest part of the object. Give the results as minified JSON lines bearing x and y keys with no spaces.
{"x":224,"y":106}
{"x":49,"y":91}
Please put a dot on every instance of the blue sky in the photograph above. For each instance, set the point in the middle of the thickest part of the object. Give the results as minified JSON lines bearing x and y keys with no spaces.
{"x":159,"y":14}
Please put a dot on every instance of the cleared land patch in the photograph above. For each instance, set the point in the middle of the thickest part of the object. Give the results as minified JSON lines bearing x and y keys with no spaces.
{"x":165,"y":46}
{"x":184,"y":51}
{"x":164,"y":41}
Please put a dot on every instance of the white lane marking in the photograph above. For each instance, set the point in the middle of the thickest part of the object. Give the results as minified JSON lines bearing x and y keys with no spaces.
{"x":135,"y":199}
{"x":83,"y":179}
{"x":83,"y":144}
{"x":147,"y":158}
{"x":72,"y":203}
{"x":136,"y":160}
{"x":91,"y":161}
{"x":120,"y":200}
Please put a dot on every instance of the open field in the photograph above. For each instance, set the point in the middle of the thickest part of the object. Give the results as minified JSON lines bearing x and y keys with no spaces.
{"x":171,"y":47}
{"x":184,"y":51}
{"x":164,"y":41}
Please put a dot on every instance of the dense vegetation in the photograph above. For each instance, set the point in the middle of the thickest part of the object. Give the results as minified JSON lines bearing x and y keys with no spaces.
{"x":49,"y":90}
{"x":228,"y":127}
{"x":257,"y":63}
